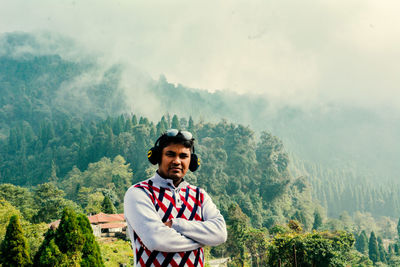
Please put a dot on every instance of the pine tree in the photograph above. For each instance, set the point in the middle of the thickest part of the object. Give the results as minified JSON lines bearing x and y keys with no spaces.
{"x":362,"y":242}
{"x":14,"y":248}
{"x":91,"y":256}
{"x":373,"y":248}
{"x":49,"y":253}
{"x":69,"y":237}
{"x":107,"y":206}
{"x":134,"y":120}
{"x":190,"y":125}
{"x":398,"y":228}
{"x":382,"y":251}
{"x":164,"y":123}
{"x":183,"y":122}
{"x":175,"y":124}
{"x":317,"y":220}
{"x":237,"y":222}
{"x":128,"y":125}
{"x":397,"y":249}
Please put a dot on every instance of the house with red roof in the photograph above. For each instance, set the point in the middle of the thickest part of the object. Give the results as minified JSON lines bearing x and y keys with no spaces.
{"x":104,"y":225}
{"x":107,"y":225}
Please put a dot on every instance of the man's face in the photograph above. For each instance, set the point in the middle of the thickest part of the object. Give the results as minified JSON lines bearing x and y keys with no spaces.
{"x":175,"y":160}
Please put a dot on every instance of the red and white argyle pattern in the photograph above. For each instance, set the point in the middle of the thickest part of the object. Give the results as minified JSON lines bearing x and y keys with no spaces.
{"x":187,"y":205}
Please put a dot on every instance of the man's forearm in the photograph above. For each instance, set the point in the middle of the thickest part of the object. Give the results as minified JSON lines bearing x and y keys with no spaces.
{"x":211,"y":231}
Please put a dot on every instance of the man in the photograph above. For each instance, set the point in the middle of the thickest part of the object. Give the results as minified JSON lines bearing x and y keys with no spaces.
{"x":169,"y":220}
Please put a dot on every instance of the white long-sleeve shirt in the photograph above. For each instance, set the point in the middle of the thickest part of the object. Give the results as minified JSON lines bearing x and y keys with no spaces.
{"x":184,"y":235}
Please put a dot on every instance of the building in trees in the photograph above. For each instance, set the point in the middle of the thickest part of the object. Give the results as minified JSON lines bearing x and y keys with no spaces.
{"x":108,"y":224}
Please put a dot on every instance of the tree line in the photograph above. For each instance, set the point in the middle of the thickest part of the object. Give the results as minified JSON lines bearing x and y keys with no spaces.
{"x":89,"y":166}
{"x":235,"y":165}
{"x":71,"y":244}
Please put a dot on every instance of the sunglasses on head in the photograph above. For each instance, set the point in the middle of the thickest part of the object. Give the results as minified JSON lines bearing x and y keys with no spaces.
{"x":174,"y":132}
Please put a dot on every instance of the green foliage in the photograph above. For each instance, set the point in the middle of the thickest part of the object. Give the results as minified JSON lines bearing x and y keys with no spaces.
{"x":94,"y":203}
{"x":18,"y":197}
{"x":279,"y":229}
{"x":382,"y":251}
{"x":310,"y":249}
{"x":49,"y":253}
{"x":72,"y":244}
{"x":373,"y":251}
{"x":14,"y":247}
{"x":234,"y":165}
{"x":34,"y":234}
{"x":398,"y":228}
{"x":295,"y":226}
{"x":393,"y":260}
{"x":356,"y":259}
{"x":175,"y":124}
{"x":50,"y":203}
{"x":6,"y":212}
{"x":107,"y":206}
{"x":317,"y":220}
{"x":105,"y":174}
{"x":52,"y":125}
{"x":91,"y":255}
{"x":117,"y":253}
{"x":362,"y":242}
{"x":237,"y":227}
{"x":256,"y":242}
{"x":84,"y":146}
{"x":69,"y":237}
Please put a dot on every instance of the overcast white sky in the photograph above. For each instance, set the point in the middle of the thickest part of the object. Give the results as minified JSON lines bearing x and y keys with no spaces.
{"x":292,"y":51}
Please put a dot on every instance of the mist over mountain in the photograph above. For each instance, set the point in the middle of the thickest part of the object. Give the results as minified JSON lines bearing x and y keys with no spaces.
{"x":38,"y":84}
{"x":335,"y":135}
{"x":47,"y":76}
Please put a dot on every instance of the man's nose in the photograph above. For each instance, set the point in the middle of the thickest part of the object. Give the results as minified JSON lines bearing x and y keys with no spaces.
{"x":176,"y":160}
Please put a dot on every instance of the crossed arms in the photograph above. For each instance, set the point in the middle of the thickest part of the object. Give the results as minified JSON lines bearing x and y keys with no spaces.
{"x":183,"y":235}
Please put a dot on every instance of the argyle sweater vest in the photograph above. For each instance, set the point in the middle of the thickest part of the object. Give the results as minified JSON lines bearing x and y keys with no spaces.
{"x":165,"y":203}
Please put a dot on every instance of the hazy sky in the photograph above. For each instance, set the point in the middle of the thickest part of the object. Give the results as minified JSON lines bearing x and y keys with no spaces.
{"x":305,"y":52}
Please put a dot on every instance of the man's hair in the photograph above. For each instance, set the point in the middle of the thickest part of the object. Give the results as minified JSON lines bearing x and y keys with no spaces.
{"x":178,"y":139}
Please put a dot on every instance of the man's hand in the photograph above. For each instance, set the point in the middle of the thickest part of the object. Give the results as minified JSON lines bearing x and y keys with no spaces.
{"x":169,"y":224}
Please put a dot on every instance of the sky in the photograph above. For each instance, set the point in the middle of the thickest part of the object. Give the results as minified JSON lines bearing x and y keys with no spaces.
{"x":294,"y":52}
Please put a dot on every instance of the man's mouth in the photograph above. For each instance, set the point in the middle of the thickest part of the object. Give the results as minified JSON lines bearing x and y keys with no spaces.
{"x":175,"y":169}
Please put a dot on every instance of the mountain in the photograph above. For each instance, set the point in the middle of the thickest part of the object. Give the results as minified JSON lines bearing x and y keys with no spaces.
{"x":44,"y":79}
{"x":36,"y":86}
{"x":332,"y":135}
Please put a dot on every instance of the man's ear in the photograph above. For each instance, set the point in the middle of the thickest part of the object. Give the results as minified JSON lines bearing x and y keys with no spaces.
{"x":153,"y":155}
{"x":194,"y":162}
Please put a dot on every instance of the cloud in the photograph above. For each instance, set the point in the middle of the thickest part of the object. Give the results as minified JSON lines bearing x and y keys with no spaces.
{"x":296,"y":52}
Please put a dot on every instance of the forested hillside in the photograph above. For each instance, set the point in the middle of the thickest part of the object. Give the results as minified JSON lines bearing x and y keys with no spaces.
{"x":38,"y":88}
{"x":69,"y":138}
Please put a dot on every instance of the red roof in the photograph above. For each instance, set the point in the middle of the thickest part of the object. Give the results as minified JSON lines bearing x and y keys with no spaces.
{"x":106,"y":218}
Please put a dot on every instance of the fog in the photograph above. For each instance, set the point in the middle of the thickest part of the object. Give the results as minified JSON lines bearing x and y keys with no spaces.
{"x":298,"y":53}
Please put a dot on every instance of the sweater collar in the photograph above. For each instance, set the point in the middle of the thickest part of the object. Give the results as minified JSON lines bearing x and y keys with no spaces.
{"x":165,"y":182}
